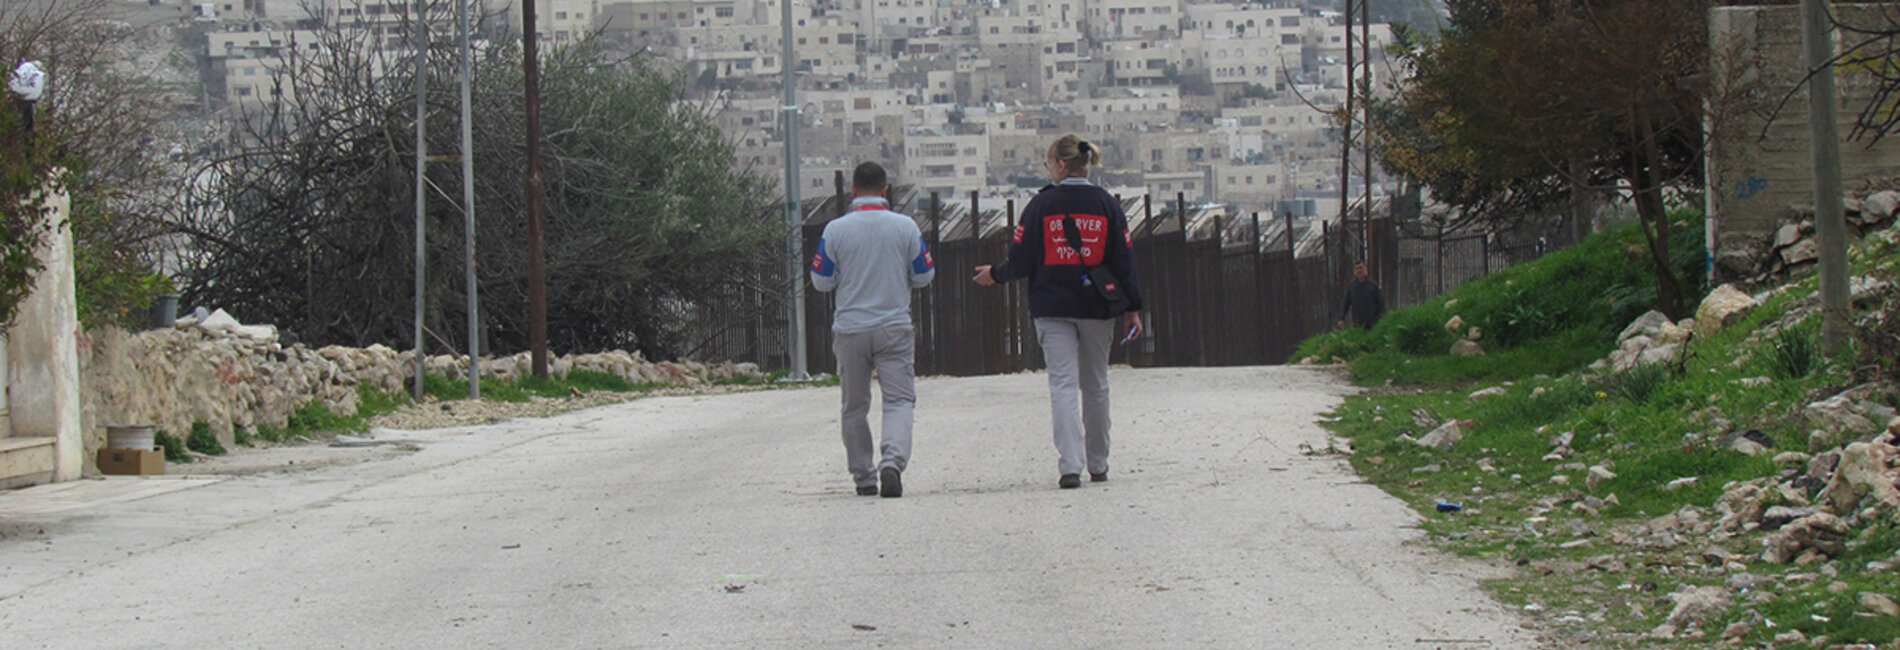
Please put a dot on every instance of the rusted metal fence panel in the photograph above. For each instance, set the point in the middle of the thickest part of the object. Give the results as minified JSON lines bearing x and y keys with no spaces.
{"x":1244,"y":292}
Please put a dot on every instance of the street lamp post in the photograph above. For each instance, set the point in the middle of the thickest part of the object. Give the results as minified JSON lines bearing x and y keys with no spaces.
{"x":796,"y":346}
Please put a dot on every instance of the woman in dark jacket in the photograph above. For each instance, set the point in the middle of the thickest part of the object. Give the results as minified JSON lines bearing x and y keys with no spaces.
{"x":1073,"y":323}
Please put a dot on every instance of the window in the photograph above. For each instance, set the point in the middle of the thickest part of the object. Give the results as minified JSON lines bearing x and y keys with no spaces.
{"x":1155,"y":155}
{"x":1289,"y":39}
{"x":1187,"y":186}
{"x":560,"y":15}
{"x":722,"y":12}
{"x":643,"y":16}
{"x":1167,"y":186}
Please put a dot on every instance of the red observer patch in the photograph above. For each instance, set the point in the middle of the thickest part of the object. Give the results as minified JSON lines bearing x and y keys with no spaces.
{"x":1093,"y":230}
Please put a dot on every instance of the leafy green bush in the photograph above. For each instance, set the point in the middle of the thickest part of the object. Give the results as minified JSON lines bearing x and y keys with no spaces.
{"x":174,"y":448}
{"x":202,"y":441}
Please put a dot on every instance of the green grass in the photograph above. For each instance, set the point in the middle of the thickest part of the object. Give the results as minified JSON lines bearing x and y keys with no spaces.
{"x":316,"y":421}
{"x":1544,"y":323}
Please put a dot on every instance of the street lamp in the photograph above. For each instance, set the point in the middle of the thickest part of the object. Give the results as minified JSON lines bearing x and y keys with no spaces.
{"x":796,"y":346}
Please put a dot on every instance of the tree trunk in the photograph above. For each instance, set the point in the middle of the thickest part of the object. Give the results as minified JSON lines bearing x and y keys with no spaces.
{"x":1646,"y":182}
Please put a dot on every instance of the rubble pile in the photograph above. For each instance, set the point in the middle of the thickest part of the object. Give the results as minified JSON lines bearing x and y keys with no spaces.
{"x":1794,"y":249}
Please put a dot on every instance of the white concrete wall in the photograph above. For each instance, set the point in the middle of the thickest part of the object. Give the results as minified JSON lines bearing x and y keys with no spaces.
{"x":1757,"y":170}
{"x":43,"y":352}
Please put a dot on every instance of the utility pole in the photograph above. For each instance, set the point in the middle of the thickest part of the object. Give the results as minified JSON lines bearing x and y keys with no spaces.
{"x":422,"y":178}
{"x":795,"y":271}
{"x":1365,"y":56}
{"x":1345,"y":133}
{"x":537,"y":258}
{"x":468,"y":204}
{"x":1825,"y":144}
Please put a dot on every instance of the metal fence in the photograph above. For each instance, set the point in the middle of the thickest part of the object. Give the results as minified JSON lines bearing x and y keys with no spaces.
{"x":1220,"y":289}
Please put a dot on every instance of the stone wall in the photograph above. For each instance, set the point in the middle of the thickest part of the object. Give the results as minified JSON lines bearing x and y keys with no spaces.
{"x":231,"y":376}
{"x":1760,"y":172}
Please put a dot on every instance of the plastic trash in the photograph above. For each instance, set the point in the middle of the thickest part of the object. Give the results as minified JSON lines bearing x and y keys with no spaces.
{"x":1446,"y":506}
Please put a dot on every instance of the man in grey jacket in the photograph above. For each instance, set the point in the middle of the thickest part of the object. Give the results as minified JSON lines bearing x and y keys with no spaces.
{"x":873,"y":257}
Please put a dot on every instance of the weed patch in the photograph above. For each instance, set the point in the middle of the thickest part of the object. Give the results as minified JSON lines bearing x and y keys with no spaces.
{"x":203,"y":441}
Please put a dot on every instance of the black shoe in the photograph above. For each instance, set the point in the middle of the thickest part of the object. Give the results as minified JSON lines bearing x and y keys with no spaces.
{"x":867,"y":490}
{"x":890,"y":483}
{"x":1098,"y":477}
{"x":1070,"y":481}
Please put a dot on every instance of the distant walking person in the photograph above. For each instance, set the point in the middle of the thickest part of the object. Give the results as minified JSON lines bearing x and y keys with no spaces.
{"x":872,"y":257}
{"x":1365,"y":301}
{"x":1075,"y":321}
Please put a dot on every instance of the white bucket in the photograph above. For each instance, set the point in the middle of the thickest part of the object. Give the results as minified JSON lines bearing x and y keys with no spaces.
{"x":129,"y":436}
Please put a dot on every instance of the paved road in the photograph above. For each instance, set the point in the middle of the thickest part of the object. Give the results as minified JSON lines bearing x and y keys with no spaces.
{"x":728,"y":521}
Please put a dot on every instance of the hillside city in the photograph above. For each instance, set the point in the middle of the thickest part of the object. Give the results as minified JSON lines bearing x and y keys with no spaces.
{"x":1225,"y":102}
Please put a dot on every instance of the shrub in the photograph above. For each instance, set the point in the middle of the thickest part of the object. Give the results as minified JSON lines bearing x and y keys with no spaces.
{"x":174,"y":448}
{"x":202,"y":441}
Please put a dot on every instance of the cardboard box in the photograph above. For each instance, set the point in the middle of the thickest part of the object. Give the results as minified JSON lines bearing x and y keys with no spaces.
{"x":131,"y":462}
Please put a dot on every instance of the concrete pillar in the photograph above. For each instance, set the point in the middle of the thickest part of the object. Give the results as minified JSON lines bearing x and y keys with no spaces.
{"x":43,"y":352}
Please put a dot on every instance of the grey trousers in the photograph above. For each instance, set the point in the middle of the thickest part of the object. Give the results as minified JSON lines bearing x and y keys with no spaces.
{"x":1076,"y":351}
{"x":891,"y":351}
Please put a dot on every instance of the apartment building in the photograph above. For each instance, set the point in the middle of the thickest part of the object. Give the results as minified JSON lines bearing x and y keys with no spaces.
{"x":1037,"y":57}
{"x":1248,"y":184}
{"x":1165,"y":151}
{"x":557,"y":21}
{"x":1165,"y":186}
{"x":1144,"y":62}
{"x":1128,"y":110}
{"x":946,"y":159}
{"x":1113,"y":20}
{"x":1261,"y":130}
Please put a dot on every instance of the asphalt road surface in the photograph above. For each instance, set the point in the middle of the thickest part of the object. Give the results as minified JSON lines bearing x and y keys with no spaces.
{"x":729,"y":522}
